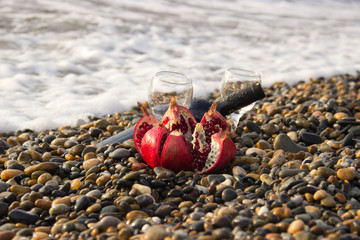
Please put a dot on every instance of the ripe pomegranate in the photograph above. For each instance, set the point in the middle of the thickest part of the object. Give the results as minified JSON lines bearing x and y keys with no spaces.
{"x":179,"y":143}
{"x":147,"y":122}
{"x":179,"y":118}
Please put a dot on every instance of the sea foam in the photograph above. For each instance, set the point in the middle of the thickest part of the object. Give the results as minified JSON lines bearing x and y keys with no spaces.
{"x":65,"y":60}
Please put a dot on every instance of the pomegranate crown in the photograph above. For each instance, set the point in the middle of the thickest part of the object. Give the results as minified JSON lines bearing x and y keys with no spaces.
{"x":174,"y":107}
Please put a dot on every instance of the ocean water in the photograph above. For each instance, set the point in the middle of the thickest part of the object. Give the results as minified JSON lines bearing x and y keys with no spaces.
{"x":65,"y":60}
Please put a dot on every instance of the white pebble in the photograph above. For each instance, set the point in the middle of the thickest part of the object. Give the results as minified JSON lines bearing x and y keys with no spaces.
{"x":262,"y":210}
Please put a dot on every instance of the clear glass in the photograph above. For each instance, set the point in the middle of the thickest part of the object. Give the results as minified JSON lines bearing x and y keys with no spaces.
{"x":235,"y":79}
{"x":165,"y":85}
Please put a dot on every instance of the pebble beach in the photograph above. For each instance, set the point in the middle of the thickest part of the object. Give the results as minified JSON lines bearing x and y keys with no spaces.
{"x":295,"y":176}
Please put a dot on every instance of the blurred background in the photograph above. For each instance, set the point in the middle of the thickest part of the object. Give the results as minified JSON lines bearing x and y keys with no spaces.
{"x":65,"y":60}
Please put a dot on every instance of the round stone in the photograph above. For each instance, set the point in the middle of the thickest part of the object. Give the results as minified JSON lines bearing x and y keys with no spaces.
{"x":142,"y":188}
{"x":43,"y":204}
{"x":154,"y":233}
{"x":296,"y":226}
{"x":281,"y":212}
{"x":320,"y":194}
{"x":21,"y":216}
{"x":325,"y":172}
{"x":94,"y":208}
{"x":91,"y":163}
{"x":106,"y":222}
{"x":82,"y":203}
{"x":10,"y":173}
{"x":59,"y":209}
{"x":119,"y":153}
{"x":163,"y":211}
{"x":278,"y":159}
{"x":144,"y":200}
{"x":135,"y":214}
{"x":18,"y":189}
{"x":45,"y":166}
{"x":7,"y":235}
{"x":45,"y":177}
{"x":228,"y":194}
{"x":328,"y":201}
{"x":345,"y":174}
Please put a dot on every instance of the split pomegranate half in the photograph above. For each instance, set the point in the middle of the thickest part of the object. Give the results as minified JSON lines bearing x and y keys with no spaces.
{"x":179,"y":143}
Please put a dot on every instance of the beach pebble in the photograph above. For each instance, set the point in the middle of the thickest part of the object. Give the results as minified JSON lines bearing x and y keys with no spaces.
{"x":135,"y":214}
{"x":7,"y":235}
{"x":295,"y":227}
{"x":228,"y":194}
{"x":10,"y":173}
{"x":345,"y":174}
{"x":59,"y":209}
{"x":320,"y":194}
{"x":119,"y":154}
{"x":328,"y":201}
{"x":91,"y":163}
{"x":310,"y":138}
{"x":21,"y":216}
{"x":282,"y":141}
{"x":278,"y":159}
{"x":45,"y":166}
{"x":154,"y":233}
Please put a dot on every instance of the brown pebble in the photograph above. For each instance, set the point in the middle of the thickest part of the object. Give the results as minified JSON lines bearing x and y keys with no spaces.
{"x":342,"y":199}
{"x":69,"y":157}
{"x":154,"y":233}
{"x":345,"y":174}
{"x":340,"y":115}
{"x":45,"y":166}
{"x":328,"y":201}
{"x":320,"y":194}
{"x":316,"y":230}
{"x":6,"y":235}
{"x":43,"y":204}
{"x":18,"y":189}
{"x":309,"y":197}
{"x":246,"y":160}
{"x":101,"y":181}
{"x":40,"y":235}
{"x":138,"y":166}
{"x":282,"y":212}
{"x":75,"y":184}
{"x":270,"y":226}
{"x":313,"y":209}
{"x":44,"y":229}
{"x":10,"y":173}
{"x":278,"y":159}
{"x":96,"y":207}
{"x":325,"y":172}
{"x":273,"y":236}
{"x":90,"y":163}
{"x":46,"y":156}
{"x":135,"y":214}
{"x":65,"y":200}
{"x":263,"y":144}
{"x":89,"y":155}
{"x":44,"y":178}
{"x":296,"y":226}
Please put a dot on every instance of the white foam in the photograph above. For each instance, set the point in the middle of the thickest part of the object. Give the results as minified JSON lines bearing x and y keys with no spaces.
{"x":64,"y":60}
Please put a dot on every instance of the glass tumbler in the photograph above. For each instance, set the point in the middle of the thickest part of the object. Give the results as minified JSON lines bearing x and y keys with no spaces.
{"x":235,"y":79}
{"x":165,"y":85}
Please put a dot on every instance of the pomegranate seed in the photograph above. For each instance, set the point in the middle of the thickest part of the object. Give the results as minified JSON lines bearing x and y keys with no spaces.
{"x":166,"y":120}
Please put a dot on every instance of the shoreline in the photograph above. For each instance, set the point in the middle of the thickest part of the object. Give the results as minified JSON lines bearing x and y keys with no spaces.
{"x":295,"y":176}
